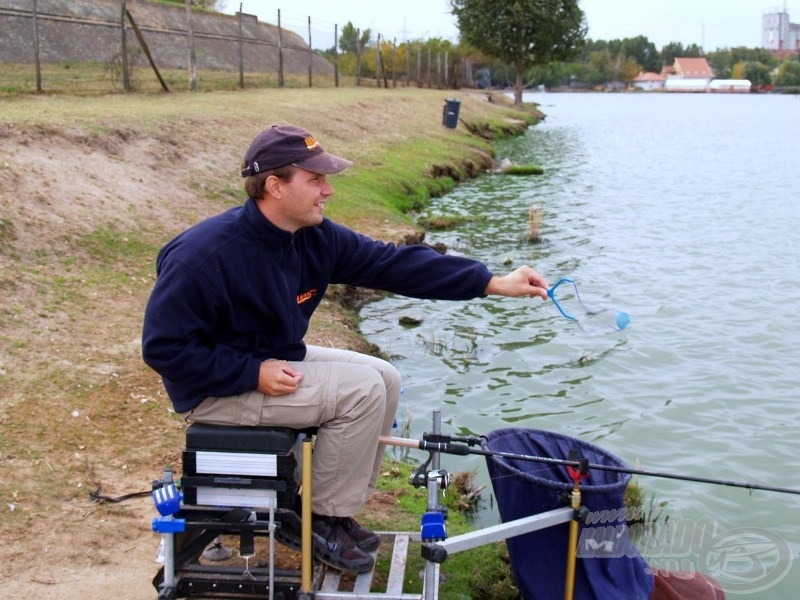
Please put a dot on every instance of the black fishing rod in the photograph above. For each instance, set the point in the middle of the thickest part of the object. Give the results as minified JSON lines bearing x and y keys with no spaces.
{"x":464,"y":446}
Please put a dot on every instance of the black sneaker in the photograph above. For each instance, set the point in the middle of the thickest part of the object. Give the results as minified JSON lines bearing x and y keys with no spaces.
{"x":334,"y":546}
{"x":286,"y":535}
{"x":365,"y":540}
{"x":332,"y":543}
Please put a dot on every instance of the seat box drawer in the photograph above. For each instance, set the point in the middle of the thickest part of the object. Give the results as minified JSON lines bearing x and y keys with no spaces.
{"x":253,"y":464}
{"x":245,"y":492}
{"x":232,"y":438}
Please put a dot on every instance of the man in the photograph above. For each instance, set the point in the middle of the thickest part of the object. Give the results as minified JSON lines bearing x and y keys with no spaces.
{"x":225,"y":323}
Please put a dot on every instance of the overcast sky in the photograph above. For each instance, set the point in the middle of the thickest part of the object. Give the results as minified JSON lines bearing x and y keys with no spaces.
{"x":710,"y":23}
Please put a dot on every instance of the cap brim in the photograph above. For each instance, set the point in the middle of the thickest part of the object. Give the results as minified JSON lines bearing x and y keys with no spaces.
{"x":324,"y":163}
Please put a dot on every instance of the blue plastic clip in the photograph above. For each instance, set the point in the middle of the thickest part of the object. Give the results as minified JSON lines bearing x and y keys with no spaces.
{"x":433,"y":528}
{"x":167,"y":499}
{"x":169,"y":525}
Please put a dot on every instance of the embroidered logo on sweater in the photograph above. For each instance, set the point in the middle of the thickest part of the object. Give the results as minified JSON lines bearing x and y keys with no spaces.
{"x":306,"y":296}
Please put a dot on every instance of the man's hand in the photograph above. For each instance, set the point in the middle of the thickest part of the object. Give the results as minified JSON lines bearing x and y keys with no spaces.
{"x":521,"y":282}
{"x":277,"y":378}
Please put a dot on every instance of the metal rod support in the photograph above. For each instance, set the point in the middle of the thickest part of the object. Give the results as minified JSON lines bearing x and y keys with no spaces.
{"x":503,"y":531}
{"x":306,"y":547}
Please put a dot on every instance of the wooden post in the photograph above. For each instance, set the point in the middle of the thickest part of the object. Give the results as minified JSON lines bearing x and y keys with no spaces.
{"x":429,"y":66}
{"x":383,"y":68}
{"x":280,"y":52}
{"x":378,"y":62}
{"x":192,"y":56}
{"x":146,"y":51}
{"x":419,"y":65}
{"x":37,"y":64}
{"x":394,"y":55}
{"x":126,"y":76}
{"x":241,"y":50}
{"x":336,"y":55}
{"x":358,"y":57}
{"x":310,"y":52}
{"x":408,"y":64}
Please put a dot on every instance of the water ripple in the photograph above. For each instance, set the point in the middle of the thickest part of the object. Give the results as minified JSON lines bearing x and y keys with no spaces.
{"x":681,"y":210}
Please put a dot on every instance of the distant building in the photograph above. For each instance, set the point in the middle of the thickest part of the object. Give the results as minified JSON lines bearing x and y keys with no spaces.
{"x":693,"y":68}
{"x":689,"y":75}
{"x":778,"y":33}
{"x":679,"y":84}
{"x":649,"y":81}
{"x":730,"y":86}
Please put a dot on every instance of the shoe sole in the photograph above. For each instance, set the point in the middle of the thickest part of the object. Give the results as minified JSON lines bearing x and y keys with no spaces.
{"x":293,"y":542}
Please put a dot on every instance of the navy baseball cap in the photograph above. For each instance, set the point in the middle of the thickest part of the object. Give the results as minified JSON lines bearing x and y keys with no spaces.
{"x":282,"y":145}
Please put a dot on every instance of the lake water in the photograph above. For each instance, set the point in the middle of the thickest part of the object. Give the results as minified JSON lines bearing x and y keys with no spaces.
{"x":681,"y":209}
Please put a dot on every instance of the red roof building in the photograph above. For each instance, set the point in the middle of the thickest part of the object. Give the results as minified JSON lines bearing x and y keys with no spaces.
{"x":693,"y":68}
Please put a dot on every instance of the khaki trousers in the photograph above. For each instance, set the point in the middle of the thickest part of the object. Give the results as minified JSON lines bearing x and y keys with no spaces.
{"x":351,"y":397}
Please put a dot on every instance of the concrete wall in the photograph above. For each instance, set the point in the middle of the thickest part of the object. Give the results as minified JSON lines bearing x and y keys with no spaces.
{"x":89,"y":30}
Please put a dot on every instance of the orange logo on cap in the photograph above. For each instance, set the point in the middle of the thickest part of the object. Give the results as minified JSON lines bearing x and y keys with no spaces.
{"x":311,"y":143}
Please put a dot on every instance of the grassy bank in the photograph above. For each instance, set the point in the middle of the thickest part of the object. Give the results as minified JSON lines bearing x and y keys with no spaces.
{"x":91,"y":189}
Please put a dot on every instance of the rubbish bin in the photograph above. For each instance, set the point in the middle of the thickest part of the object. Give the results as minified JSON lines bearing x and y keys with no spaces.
{"x":450,"y":113}
{"x":608,"y":565}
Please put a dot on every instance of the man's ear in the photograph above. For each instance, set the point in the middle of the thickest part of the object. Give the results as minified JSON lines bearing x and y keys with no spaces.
{"x":272,"y":186}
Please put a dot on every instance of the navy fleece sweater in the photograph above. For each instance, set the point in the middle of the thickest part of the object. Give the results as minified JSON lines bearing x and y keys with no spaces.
{"x":235,"y":290}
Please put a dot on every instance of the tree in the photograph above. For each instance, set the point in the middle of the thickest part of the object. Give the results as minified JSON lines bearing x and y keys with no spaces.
{"x":757,"y":73}
{"x":670,"y":52}
{"x":627,"y":68}
{"x":721,"y":63}
{"x":600,"y":67}
{"x":551,"y":75}
{"x":523,"y":33}
{"x":590,"y":46}
{"x":755,"y":64}
{"x":643,"y":51}
{"x":675,"y":50}
{"x":693,"y":51}
{"x":788,"y":74}
{"x":349,"y":40}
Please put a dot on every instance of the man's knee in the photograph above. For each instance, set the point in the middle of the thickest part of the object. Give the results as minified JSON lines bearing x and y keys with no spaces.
{"x":361,"y":393}
{"x":373,"y":387}
{"x":391,"y":377}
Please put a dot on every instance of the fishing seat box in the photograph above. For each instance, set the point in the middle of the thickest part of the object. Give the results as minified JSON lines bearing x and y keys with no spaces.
{"x":239,"y":466}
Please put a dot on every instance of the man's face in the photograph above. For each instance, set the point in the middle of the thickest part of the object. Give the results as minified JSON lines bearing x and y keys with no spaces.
{"x":303,"y":199}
